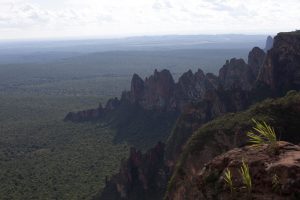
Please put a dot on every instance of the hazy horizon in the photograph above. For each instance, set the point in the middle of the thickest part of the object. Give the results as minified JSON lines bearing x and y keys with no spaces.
{"x":98,"y":19}
{"x":86,"y":38}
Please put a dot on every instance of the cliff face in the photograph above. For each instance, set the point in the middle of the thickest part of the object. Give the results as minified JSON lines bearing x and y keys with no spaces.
{"x":155,"y":93}
{"x":160,"y":92}
{"x":273,"y":176}
{"x":281,"y":69}
{"x":256,"y":58}
{"x":142,"y":176}
{"x":269,"y":43}
{"x":236,"y":74}
{"x":193,"y":87}
{"x":228,"y":132}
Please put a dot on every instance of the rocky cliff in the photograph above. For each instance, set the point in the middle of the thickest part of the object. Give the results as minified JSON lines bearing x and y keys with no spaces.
{"x":228,"y":132}
{"x":269,"y":43}
{"x":273,"y":176}
{"x":256,"y":58}
{"x":241,"y":85}
{"x":199,"y":97}
{"x":281,"y":68}
{"x":286,"y":46}
{"x":159,"y":92}
{"x":141,"y":177}
{"x":236,"y":74}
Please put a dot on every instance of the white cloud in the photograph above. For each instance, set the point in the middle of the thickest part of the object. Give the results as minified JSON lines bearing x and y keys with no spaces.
{"x":60,"y":18}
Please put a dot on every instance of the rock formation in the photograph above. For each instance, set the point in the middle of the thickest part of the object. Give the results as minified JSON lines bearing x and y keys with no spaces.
{"x":256,"y":59}
{"x":269,"y":43}
{"x":155,"y":93}
{"x":85,"y":115}
{"x":159,"y":91}
{"x":273,"y":176}
{"x":141,"y":177}
{"x":193,"y":87}
{"x":281,"y":69}
{"x":236,"y":74}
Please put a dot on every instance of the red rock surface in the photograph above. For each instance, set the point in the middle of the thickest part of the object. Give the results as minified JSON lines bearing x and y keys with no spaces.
{"x":208,"y":182}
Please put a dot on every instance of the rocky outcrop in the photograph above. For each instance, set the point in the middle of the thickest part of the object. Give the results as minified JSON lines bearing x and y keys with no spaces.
{"x":160,"y":92}
{"x":256,"y":59}
{"x":137,"y":89}
{"x":192,"y":87}
{"x":142,"y":176}
{"x":274,"y":176}
{"x":281,"y":69}
{"x":112,"y":104}
{"x":214,"y":104}
{"x":269,"y":43}
{"x":236,"y":74}
{"x":85,"y":115}
{"x":228,"y":132}
{"x":155,"y":93}
{"x":93,"y":114}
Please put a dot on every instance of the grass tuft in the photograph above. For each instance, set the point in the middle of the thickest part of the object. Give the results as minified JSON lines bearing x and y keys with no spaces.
{"x":264,"y":134}
{"x":245,"y":173}
{"x":228,"y":180}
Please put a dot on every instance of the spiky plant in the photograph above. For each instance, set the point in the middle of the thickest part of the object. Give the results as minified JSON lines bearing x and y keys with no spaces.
{"x":245,"y":173}
{"x":228,"y":179}
{"x":264,"y":134}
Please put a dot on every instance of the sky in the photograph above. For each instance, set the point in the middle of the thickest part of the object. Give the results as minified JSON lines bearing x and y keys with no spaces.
{"x":34,"y":19}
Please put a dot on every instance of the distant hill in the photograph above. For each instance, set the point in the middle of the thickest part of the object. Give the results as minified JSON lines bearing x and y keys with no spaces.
{"x":145,"y":43}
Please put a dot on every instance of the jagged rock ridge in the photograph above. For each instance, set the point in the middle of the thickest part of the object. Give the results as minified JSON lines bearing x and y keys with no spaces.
{"x":232,"y":91}
{"x":160,"y":92}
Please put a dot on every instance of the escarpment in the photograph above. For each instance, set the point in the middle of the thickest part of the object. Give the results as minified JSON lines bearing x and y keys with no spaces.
{"x":157,"y":107}
{"x":274,"y":79}
{"x":228,"y":132}
{"x":269,"y":43}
